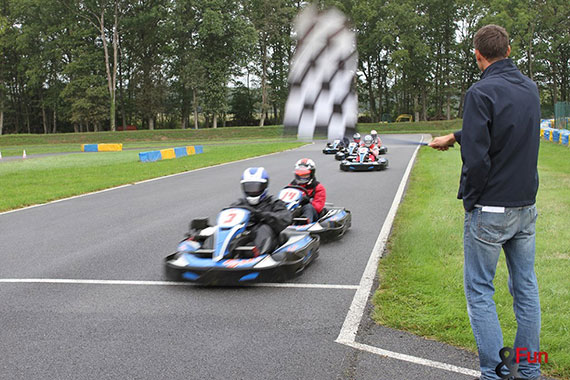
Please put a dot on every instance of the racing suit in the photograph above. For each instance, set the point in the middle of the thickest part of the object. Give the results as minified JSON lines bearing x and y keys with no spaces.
{"x":271,"y":217}
{"x":317,"y":196}
{"x":374,"y":151}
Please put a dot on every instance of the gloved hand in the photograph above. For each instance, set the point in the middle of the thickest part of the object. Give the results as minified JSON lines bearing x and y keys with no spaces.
{"x":264,"y":216}
{"x":255,"y":215}
{"x":305,"y":200}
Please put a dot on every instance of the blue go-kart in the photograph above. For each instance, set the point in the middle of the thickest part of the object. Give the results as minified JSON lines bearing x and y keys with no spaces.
{"x":332,"y":224}
{"x":364,"y":162}
{"x":224,"y":255}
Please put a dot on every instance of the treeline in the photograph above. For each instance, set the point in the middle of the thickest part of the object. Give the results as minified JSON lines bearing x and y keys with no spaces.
{"x":88,"y":65}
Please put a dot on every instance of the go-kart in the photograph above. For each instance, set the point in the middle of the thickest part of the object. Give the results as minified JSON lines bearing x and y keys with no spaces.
{"x":346,"y":153}
{"x":333,"y":147}
{"x":364,"y":161}
{"x":332,"y":224}
{"x":224,"y":255}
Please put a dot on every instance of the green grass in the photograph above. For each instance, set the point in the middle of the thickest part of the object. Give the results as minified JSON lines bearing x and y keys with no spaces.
{"x":33,"y":181}
{"x":202,"y":135}
{"x":71,"y":142}
{"x":421,"y":278}
{"x":17,"y":150}
{"x":436,"y":128}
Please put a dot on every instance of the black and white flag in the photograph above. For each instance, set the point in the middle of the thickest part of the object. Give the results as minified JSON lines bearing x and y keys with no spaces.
{"x":322,"y":99}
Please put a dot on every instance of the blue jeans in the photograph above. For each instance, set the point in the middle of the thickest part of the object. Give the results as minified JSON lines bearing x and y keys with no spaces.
{"x":485,"y":233}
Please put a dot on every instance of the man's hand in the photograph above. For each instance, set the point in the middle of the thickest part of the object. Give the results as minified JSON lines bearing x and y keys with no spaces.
{"x":304,"y":201}
{"x":443,"y":142}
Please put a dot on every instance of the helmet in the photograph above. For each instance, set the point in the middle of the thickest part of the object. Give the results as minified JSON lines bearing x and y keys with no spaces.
{"x":254,"y":182}
{"x":305,"y":171}
{"x":374,"y":134}
{"x":356,"y":137}
{"x":368,"y":140}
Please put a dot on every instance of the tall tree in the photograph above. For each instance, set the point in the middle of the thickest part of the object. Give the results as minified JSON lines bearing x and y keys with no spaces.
{"x":225,"y":39}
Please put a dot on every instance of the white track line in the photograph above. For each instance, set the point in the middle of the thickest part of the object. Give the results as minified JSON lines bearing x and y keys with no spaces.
{"x":163,"y":283}
{"x":413,"y":359}
{"x":144,"y":181}
{"x":347,"y":335}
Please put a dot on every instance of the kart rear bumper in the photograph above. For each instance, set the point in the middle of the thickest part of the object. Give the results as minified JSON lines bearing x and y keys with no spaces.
{"x":381,"y":164}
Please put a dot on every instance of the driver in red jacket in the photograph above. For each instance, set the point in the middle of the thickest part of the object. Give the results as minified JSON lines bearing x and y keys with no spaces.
{"x":314,"y":202}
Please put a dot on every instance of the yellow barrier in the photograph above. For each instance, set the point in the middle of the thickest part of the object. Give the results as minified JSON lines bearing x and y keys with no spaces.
{"x":110,"y":147}
{"x":167,"y":154}
{"x":190,"y":150}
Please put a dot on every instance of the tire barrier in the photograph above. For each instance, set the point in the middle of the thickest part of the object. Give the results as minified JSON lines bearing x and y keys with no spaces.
{"x":168,"y":154}
{"x":101,"y":147}
{"x":564,"y":137}
{"x":555,"y":135}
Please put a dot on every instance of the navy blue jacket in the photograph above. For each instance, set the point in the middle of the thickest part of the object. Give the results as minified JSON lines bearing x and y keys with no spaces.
{"x":499,"y":139}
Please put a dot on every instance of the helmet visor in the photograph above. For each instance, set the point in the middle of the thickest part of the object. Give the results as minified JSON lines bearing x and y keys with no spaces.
{"x":254,"y":189}
{"x":303,"y":176}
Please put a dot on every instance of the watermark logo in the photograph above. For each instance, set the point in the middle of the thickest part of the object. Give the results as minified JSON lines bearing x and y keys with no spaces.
{"x":507,"y":356}
{"x":511,"y":359}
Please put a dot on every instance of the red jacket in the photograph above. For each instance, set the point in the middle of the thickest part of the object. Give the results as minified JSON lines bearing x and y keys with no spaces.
{"x":317,"y":193}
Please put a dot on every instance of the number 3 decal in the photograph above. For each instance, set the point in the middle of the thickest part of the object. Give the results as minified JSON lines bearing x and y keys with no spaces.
{"x":231,"y":217}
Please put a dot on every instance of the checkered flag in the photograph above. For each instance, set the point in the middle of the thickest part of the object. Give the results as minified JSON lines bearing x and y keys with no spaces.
{"x":322,"y":99}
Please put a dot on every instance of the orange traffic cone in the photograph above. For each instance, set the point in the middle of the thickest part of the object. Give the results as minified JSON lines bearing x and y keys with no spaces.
{"x":24,"y":154}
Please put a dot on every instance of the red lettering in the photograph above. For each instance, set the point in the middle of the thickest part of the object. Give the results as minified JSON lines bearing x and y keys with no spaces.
{"x":536,"y":357}
{"x":531,"y":360}
{"x":520,"y":354}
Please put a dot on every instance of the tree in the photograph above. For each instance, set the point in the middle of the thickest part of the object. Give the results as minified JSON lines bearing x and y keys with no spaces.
{"x":225,"y":39}
{"x":95,"y":11}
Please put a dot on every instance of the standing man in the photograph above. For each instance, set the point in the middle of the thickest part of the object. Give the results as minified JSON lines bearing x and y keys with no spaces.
{"x":499,"y":180}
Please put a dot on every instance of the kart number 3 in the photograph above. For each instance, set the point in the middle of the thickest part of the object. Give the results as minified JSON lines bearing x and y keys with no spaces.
{"x":229,"y":217}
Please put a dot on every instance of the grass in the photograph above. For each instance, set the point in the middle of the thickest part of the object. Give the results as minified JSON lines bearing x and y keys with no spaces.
{"x":421,"y":278}
{"x":13,"y":145}
{"x":33,"y":181}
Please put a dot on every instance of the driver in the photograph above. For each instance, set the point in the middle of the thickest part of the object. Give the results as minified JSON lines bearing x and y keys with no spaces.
{"x":313,"y":204}
{"x":376,"y":138}
{"x":269,"y":215}
{"x":369,"y":143}
{"x":356,"y":138}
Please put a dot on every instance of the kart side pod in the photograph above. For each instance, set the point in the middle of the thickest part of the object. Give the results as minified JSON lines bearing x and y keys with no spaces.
{"x":199,"y":224}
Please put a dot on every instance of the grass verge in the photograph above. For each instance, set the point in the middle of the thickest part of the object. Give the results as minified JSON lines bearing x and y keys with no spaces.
{"x":13,"y":145}
{"x":33,"y":181}
{"x":421,"y":278}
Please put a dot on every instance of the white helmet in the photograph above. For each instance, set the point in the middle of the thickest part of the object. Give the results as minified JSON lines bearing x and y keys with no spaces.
{"x":305,"y":171}
{"x":368,"y":140}
{"x":254,"y":183}
{"x":374,"y":134}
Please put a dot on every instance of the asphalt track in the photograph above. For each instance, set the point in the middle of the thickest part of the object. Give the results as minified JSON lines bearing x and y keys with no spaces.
{"x":69,"y":328}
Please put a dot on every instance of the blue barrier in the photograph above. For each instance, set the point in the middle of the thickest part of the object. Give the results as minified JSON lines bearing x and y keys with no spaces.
{"x":150,"y":156}
{"x":91,"y":147}
{"x":157,"y":155}
{"x":180,"y":152}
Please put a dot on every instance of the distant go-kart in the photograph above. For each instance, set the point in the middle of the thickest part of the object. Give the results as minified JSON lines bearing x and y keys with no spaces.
{"x":332,"y":148}
{"x":364,"y":162}
{"x":223,"y":255}
{"x":332,"y":224}
{"x":349,"y":151}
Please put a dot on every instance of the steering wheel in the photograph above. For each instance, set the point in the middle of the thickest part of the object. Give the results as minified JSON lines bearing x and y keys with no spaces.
{"x":305,"y":192}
